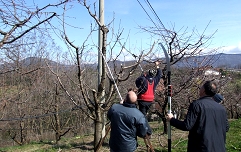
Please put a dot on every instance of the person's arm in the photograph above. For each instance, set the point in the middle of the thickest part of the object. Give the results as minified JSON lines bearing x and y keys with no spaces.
{"x":109,"y":113}
{"x":141,"y":84}
{"x":158,"y":74}
{"x":139,"y":81}
{"x":178,"y":124}
{"x":189,"y":121}
{"x":142,"y":127}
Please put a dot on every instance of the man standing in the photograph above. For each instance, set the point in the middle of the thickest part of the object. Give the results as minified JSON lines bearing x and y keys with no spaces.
{"x":127,"y":122}
{"x":146,"y":85}
{"x":206,"y":122}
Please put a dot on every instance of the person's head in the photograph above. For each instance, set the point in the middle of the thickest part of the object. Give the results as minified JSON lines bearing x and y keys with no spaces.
{"x":152,"y":73}
{"x":218,"y":98}
{"x":209,"y":88}
{"x":131,"y":97}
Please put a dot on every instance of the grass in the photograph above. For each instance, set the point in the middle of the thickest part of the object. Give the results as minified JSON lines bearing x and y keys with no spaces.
{"x":233,"y":142}
{"x":158,"y":140}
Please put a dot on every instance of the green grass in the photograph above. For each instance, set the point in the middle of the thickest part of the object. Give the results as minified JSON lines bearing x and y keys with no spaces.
{"x":233,"y":142}
{"x":159,"y":142}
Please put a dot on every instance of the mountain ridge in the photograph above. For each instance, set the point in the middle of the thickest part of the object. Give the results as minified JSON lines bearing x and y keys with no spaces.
{"x":217,"y":60}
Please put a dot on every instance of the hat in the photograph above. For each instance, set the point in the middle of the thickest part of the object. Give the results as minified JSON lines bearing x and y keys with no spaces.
{"x":152,"y":72}
{"x":218,"y":97}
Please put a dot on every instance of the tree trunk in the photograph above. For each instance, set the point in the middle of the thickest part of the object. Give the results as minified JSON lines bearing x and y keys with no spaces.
{"x":98,"y":129}
{"x":57,"y":125}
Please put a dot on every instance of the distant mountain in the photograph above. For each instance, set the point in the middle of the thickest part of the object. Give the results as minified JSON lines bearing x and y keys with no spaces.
{"x":228,"y":60}
{"x":216,"y":60}
{"x":37,"y":61}
{"x":29,"y":61}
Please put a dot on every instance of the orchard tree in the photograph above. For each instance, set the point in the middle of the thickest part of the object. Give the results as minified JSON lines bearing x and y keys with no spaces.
{"x":23,"y":37}
{"x":186,"y":49}
{"x":181,"y":47}
{"x":25,"y":26}
{"x":97,"y":98}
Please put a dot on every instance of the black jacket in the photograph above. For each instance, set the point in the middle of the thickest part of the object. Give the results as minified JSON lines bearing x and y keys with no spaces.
{"x":207,"y":124}
{"x":141,"y":82}
{"x":127,"y":122}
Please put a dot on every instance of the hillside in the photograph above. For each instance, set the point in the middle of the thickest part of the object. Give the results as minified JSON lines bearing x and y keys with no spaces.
{"x":229,"y":61}
{"x":217,"y":60}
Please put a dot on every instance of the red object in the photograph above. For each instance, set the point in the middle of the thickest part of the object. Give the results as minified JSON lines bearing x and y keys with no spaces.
{"x":148,"y":96}
{"x":169,"y":90}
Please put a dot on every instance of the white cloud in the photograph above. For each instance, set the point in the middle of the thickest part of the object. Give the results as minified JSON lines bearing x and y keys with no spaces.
{"x":239,"y":45}
{"x":232,"y":49}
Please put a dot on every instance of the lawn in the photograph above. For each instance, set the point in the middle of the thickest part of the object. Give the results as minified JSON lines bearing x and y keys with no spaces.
{"x":158,"y":140}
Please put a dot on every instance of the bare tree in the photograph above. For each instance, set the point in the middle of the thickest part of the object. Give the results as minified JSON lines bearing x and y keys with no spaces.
{"x":76,"y":86}
{"x":23,"y":30}
{"x":114,"y":75}
{"x":185,"y":52}
{"x":230,"y":90}
{"x":18,"y":20}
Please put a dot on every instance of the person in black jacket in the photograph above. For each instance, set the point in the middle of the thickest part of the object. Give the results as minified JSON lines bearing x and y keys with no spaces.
{"x":127,"y":122}
{"x":146,"y":85}
{"x":206,"y":122}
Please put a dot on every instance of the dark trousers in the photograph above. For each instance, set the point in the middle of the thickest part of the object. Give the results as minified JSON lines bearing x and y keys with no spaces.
{"x":144,"y":107}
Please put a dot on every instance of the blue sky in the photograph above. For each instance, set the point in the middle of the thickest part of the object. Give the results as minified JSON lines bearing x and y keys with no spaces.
{"x":223,"y":15}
